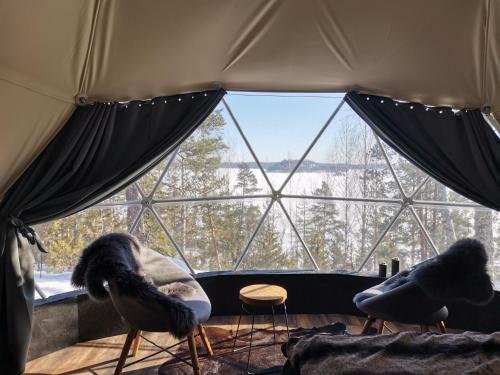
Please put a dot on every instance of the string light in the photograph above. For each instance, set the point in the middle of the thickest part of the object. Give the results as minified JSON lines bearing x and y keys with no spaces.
{"x":382,"y":101}
{"x":411,"y":107}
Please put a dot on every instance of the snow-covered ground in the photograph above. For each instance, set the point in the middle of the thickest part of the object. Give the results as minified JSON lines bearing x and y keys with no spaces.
{"x":52,"y":284}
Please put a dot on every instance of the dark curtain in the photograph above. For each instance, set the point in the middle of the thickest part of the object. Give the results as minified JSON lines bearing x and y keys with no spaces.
{"x":459,"y":149}
{"x":101,"y":149}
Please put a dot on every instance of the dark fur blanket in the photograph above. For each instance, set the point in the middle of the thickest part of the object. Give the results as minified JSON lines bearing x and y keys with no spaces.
{"x":114,"y":258}
{"x":458,"y":274}
{"x":400,"y":353}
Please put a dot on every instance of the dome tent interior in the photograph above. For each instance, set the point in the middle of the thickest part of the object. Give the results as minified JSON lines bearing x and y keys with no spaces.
{"x":124,"y":50}
{"x":78,"y":64}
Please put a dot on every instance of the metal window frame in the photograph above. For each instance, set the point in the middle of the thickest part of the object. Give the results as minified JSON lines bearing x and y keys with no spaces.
{"x":407,"y":201}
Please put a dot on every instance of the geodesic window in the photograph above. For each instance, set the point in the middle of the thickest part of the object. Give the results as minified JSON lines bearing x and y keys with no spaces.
{"x":280,"y":182}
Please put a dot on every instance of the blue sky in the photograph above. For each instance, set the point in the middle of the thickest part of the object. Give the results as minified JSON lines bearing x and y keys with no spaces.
{"x":278,"y":125}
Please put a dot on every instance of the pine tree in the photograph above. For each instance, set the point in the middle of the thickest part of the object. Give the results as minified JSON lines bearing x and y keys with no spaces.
{"x":246,"y":182}
{"x":195,"y":172}
{"x":267,"y":250}
{"x":246,"y":214}
{"x":377,"y":182}
{"x":324,"y":231}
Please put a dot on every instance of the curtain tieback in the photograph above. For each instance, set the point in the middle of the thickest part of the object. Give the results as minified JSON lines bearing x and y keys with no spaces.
{"x":27,"y":232}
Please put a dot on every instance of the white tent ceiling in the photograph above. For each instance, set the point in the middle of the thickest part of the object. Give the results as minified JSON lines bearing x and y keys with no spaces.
{"x":438,"y":52}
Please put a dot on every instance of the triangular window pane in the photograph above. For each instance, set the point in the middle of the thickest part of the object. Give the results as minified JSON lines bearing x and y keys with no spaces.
{"x":445,"y":225}
{"x":149,"y":180}
{"x":64,"y":240}
{"x":146,"y":183}
{"x":339,"y":234}
{"x":212,"y":234}
{"x":276,"y":246}
{"x":280,"y":127}
{"x":128,"y":195}
{"x":408,"y":174}
{"x":405,"y":241}
{"x":348,"y":159}
{"x":436,"y":191}
{"x":149,"y":232}
{"x":210,"y":163}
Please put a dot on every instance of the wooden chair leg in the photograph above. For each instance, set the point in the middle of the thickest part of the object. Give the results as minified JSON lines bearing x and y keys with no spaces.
{"x":380,"y":329}
{"x":194,"y":354}
{"x":137,"y":343}
{"x":132,"y":333}
{"x":205,"y":340}
{"x":368,"y":323}
{"x":441,"y":326}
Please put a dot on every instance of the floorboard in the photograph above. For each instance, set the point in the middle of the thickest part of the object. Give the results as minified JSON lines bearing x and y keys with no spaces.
{"x":99,"y":357}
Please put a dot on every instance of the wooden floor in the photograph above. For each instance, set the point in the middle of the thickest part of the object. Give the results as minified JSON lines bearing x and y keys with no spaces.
{"x":100,"y":356}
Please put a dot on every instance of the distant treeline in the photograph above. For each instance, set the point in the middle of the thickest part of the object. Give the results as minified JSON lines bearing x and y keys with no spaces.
{"x":306,"y":166}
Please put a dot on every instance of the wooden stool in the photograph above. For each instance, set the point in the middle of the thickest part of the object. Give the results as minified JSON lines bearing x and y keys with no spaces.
{"x":260,"y":296}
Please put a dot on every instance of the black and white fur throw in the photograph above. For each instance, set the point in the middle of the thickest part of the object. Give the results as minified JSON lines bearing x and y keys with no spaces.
{"x":113,"y":258}
{"x":458,"y":274}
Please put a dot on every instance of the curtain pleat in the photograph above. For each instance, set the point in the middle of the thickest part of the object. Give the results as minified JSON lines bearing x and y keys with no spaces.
{"x":100,"y":150}
{"x":457,"y":148}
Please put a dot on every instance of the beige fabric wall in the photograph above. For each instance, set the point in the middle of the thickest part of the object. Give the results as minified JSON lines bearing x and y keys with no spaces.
{"x":28,"y":120}
{"x":43,"y":48}
{"x":427,"y":50}
{"x":438,"y":52}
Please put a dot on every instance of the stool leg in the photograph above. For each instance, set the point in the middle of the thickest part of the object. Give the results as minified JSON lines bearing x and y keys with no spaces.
{"x":368,"y":323}
{"x":250,"y":345}
{"x":274,"y":327}
{"x":441,"y":326}
{"x":238,"y":328}
{"x":286,"y":320}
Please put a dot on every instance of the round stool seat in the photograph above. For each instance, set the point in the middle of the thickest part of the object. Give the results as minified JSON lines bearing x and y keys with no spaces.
{"x":263,"y":295}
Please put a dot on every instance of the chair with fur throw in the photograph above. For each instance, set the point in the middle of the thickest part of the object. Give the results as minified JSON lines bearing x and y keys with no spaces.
{"x":419,"y":295}
{"x":148,"y":290}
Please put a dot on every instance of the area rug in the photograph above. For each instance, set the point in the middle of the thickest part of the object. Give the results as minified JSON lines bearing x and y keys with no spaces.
{"x":225,"y":361}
